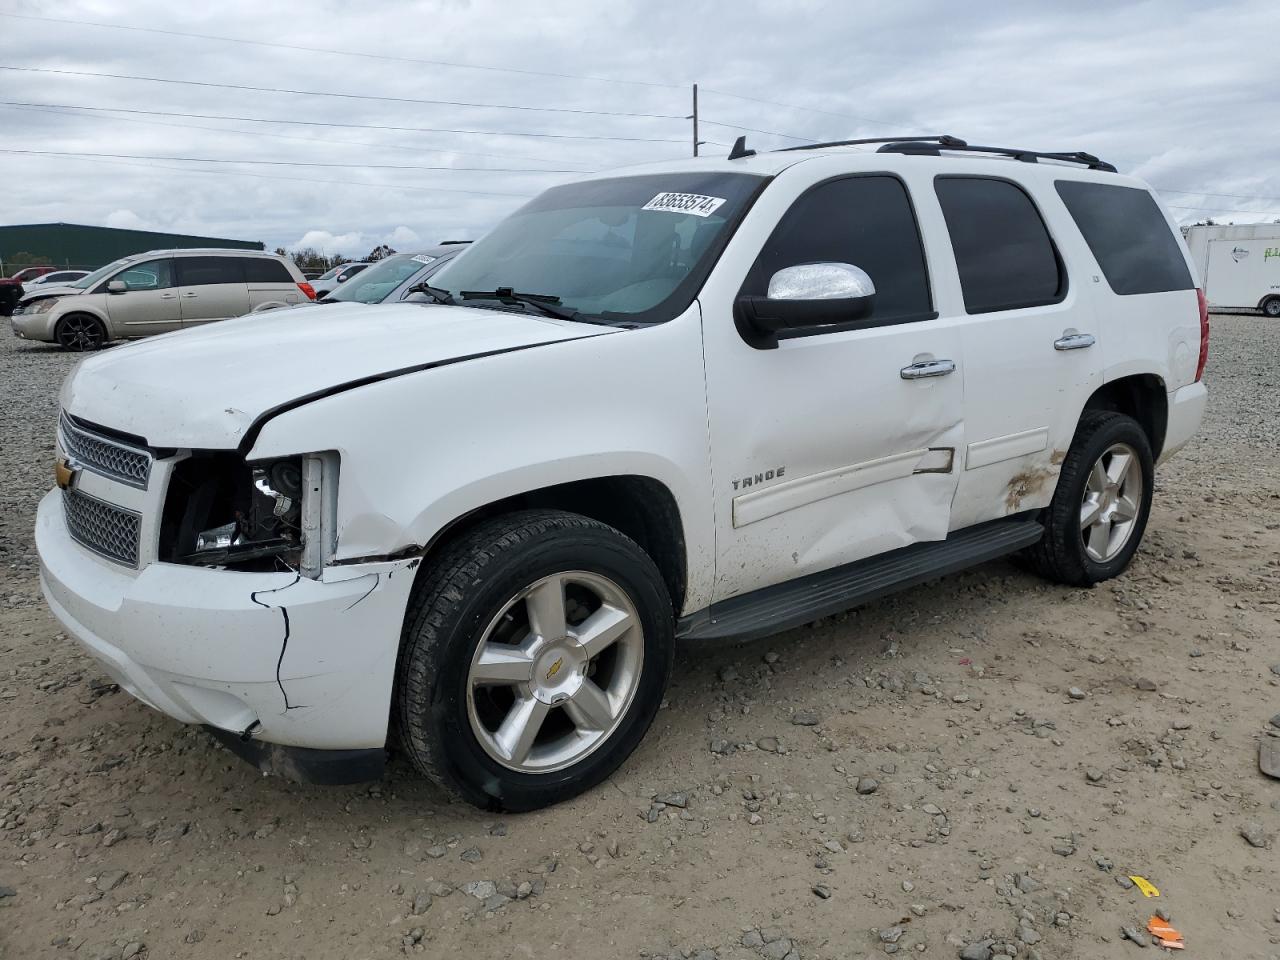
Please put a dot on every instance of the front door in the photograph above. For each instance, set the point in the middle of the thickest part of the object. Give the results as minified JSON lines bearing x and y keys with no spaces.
{"x":149,"y":303}
{"x":837,"y":446}
{"x":1030,"y":344}
{"x":211,"y":288}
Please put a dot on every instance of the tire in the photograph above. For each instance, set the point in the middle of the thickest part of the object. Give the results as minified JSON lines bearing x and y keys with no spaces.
{"x":1271,"y":306}
{"x":1079,"y":555}
{"x":79,"y":332}
{"x":457,"y":726}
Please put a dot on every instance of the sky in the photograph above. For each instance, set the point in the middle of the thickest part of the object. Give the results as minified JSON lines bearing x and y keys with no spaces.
{"x":1184,"y":95}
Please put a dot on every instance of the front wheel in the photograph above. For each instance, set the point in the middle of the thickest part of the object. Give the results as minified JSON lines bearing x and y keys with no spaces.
{"x":535,"y":655}
{"x":79,"y":332}
{"x":1099,"y":511}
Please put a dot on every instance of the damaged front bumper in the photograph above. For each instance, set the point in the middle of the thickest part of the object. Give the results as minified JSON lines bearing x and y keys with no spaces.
{"x":269,"y":657}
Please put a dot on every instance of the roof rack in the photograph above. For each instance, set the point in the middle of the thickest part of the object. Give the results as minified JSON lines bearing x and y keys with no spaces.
{"x":922,"y":146}
{"x":933,"y":145}
{"x":943,"y":140}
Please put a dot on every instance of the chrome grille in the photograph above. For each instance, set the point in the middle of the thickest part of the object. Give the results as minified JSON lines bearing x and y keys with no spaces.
{"x":104,"y":528}
{"x":105,"y":455}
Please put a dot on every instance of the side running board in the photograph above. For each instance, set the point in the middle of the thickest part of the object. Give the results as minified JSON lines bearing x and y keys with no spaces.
{"x":796,"y":602}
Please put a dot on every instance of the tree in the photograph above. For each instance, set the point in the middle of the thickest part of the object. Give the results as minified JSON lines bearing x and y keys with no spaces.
{"x":24,"y":259}
{"x":380,"y":252}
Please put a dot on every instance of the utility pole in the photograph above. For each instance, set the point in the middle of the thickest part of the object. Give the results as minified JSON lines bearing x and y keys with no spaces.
{"x":694,"y":118}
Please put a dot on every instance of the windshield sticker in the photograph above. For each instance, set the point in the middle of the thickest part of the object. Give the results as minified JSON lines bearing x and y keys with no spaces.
{"x":692,"y":203}
{"x":423,"y":258}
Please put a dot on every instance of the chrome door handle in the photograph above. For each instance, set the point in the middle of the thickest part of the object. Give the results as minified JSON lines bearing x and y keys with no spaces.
{"x":928,"y":368}
{"x":168,"y":296}
{"x":1074,"y":341}
{"x":192,"y":295}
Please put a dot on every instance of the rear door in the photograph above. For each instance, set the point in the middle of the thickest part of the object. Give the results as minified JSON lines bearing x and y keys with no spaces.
{"x":150,"y":303}
{"x":211,"y":288}
{"x":1030,"y":345}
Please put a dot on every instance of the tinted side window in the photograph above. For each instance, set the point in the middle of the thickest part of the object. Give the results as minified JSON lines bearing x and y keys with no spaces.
{"x":1003,"y":251}
{"x":148,"y":275}
{"x":262,"y":270}
{"x":194,"y":271}
{"x":1128,"y":235}
{"x":865,"y":221}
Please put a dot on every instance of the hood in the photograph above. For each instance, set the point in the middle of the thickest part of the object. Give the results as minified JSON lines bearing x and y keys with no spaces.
{"x":40,"y":291}
{"x":204,"y":388}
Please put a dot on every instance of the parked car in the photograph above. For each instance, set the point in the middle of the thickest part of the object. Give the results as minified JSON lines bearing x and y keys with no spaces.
{"x":328,"y":282}
{"x":28,"y":274}
{"x":57,"y":277}
{"x":392,"y":279}
{"x":689,"y":400}
{"x":157,"y":292}
{"x":11,"y":288}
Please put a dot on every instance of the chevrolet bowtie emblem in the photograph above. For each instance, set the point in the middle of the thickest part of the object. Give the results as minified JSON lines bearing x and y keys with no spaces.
{"x":63,"y":473}
{"x":555,"y":668}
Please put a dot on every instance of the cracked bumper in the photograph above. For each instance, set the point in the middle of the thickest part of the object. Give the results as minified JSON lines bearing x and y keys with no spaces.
{"x":210,"y":646}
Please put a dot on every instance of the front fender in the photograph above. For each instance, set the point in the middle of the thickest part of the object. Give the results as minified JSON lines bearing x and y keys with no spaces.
{"x":419,"y":451}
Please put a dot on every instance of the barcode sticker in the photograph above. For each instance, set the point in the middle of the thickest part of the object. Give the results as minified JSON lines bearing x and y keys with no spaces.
{"x":691,"y":203}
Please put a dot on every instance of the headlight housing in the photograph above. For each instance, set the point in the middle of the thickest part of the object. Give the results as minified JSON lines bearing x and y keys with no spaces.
{"x":43,"y":306}
{"x":222,"y":511}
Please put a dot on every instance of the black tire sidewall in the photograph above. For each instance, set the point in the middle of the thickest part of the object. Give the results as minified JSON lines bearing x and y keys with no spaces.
{"x":1271,"y":307}
{"x":1118,"y":429}
{"x":476,"y":775}
{"x":102,"y":333}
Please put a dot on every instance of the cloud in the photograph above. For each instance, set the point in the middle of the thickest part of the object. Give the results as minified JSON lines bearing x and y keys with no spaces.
{"x":347,"y":244}
{"x":402,"y":238}
{"x":1173,"y":90}
{"x":127,"y":220}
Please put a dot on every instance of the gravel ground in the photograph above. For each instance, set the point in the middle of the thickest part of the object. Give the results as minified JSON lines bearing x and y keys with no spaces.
{"x":972,"y":769}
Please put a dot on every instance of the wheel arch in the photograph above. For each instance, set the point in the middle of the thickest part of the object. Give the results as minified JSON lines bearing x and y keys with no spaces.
{"x":1142,"y":396}
{"x":640,"y":507}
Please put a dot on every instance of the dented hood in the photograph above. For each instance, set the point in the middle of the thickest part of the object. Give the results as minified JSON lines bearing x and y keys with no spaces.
{"x":204,"y":388}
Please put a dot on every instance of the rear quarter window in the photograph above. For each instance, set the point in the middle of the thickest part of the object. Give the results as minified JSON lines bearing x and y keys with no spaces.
{"x":262,"y":270}
{"x":1128,"y":235}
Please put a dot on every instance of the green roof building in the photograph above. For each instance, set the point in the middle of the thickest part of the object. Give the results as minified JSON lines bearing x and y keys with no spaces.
{"x":81,"y":247}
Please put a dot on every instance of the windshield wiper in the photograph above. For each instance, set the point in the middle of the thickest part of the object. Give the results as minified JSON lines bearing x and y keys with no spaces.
{"x":437,"y":294}
{"x":547,"y":303}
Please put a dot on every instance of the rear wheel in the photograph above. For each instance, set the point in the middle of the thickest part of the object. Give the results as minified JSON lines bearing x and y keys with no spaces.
{"x":80,"y":332}
{"x":1099,"y":511}
{"x":535,"y":655}
{"x":1271,"y":306}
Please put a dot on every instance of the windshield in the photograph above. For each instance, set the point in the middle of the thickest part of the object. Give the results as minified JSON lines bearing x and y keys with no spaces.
{"x":84,"y":283}
{"x":332,"y":273}
{"x":629,"y":249}
{"x":378,"y":282}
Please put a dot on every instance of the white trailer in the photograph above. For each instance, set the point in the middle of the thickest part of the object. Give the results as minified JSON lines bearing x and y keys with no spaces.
{"x":1239,"y":265}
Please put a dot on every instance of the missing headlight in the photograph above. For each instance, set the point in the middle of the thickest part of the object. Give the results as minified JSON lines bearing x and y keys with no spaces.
{"x":271,"y":515}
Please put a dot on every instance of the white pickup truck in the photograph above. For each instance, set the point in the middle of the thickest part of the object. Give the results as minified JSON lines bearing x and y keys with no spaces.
{"x":716,"y":397}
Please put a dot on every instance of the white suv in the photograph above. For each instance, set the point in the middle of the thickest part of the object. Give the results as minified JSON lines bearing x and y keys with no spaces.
{"x":707,"y":398}
{"x":157,"y":292}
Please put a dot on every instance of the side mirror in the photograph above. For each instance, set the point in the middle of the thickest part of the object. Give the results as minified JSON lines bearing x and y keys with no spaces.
{"x":808,"y":295}
{"x":117,"y":286}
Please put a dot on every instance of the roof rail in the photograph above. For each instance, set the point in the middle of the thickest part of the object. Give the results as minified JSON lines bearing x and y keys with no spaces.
{"x":933,"y":145}
{"x":946,"y":141}
{"x":921,"y":146}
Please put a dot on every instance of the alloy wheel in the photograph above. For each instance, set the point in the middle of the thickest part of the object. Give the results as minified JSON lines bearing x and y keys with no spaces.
{"x":79,"y":333}
{"x":555,"y":672}
{"x":1112,"y":501}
